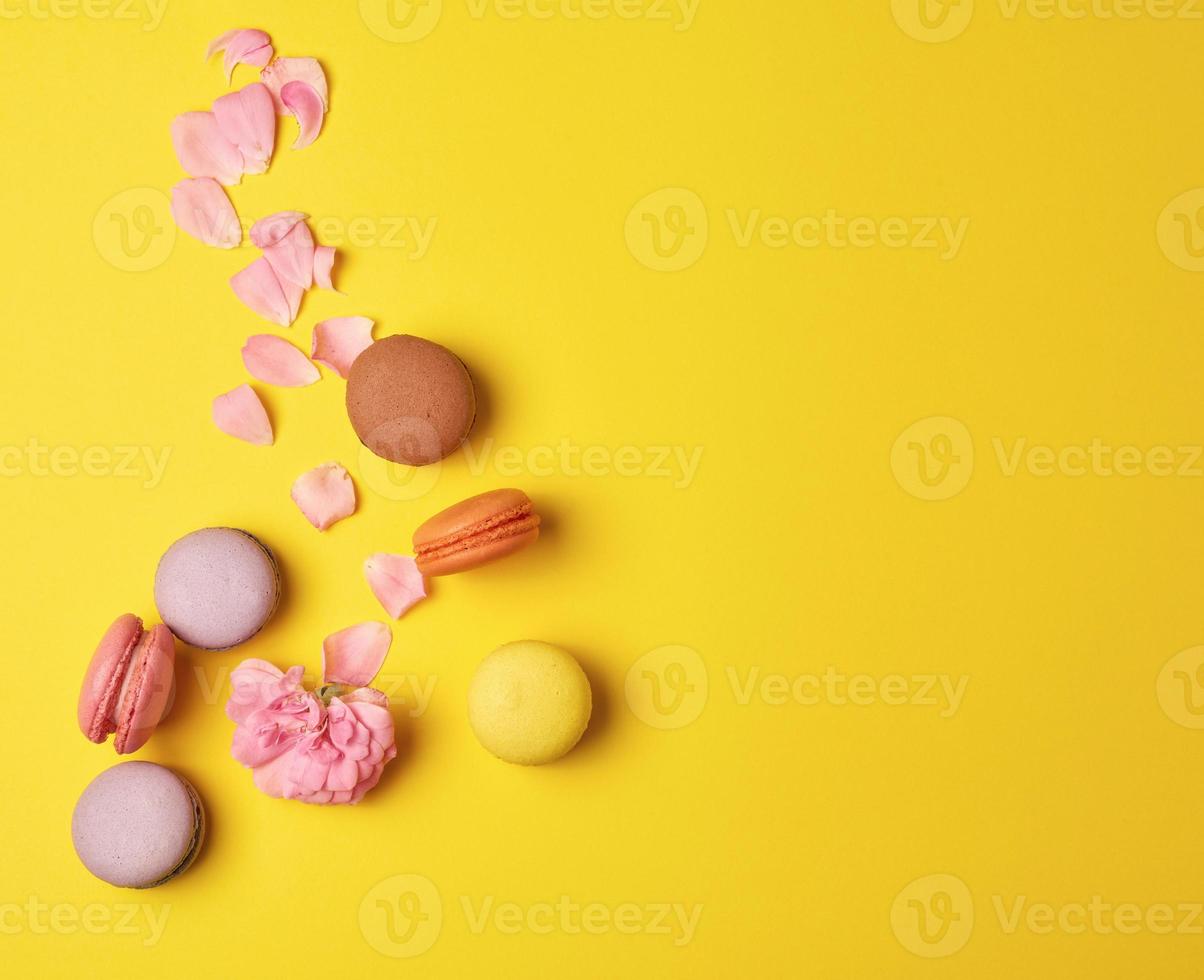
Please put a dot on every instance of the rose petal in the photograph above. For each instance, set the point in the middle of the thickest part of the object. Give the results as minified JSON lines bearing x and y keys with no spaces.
{"x":338,"y":342}
{"x":325,"y":495}
{"x":293,"y":256}
{"x":355,"y":655}
{"x":202,"y":209}
{"x":241,"y":414}
{"x":202,"y":149}
{"x":243,"y":46}
{"x":266,"y":232}
{"x":274,"y":360}
{"x":260,"y":288}
{"x":306,"y":106}
{"x":284,"y":70}
{"x":247,"y":118}
{"x":396,"y":582}
{"x":324,"y":266}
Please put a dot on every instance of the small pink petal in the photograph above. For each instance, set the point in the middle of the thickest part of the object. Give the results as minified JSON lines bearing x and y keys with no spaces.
{"x":293,"y":256}
{"x":396,"y":582}
{"x":260,"y":289}
{"x":202,"y":209}
{"x":202,"y":149}
{"x":338,"y":342}
{"x":247,"y":119}
{"x":325,"y":495}
{"x":324,"y":266}
{"x":266,"y":232}
{"x":306,"y":105}
{"x":219,"y":43}
{"x":242,"y":47}
{"x":241,"y":414}
{"x":284,"y":70}
{"x":277,"y":362}
{"x":355,"y":655}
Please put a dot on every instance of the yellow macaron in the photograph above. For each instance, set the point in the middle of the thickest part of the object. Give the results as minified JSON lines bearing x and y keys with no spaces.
{"x":529,"y":702}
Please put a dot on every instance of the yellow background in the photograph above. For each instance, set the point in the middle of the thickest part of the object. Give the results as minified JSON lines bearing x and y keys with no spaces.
{"x":795,"y":546}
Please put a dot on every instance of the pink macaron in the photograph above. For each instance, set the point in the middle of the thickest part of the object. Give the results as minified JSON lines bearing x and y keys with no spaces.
{"x":129,"y":684}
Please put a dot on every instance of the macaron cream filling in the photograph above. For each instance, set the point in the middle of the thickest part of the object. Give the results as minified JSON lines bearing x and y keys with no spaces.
{"x":507,"y":524}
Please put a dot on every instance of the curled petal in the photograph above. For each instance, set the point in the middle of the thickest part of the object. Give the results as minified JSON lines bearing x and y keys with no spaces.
{"x":259,"y":288}
{"x":284,"y":70}
{"x":243,"y":47}
{"x":202,"y":149}
{"x":274,"y":360}
{"x":396,"y":582}
{"x":247,"y":118}
{"x":306,"y":105}
{"x":338,"y":342}
{"x":241,"y":414}
{"x":202,"y":209}
{"x":324,"y":266}
{"x":354,"y":656}
{"x":293,"y":256}
{"x":325,"y":495}
{"x":266,"y":232}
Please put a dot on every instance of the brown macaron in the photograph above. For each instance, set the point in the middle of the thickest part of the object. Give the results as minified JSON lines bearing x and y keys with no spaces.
{"x":476,"y":531}
{"x":410,"y":401}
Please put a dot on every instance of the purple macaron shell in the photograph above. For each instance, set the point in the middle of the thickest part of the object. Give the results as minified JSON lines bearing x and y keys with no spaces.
{"x":137,"y":825}
{"x":217,"y":587}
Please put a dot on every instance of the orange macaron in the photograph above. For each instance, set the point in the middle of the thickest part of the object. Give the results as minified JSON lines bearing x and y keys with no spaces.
{"x":476,"y":531}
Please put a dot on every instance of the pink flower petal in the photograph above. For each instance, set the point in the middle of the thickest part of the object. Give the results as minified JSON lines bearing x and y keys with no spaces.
{"x":202,"y":149}
{"x":325,"y":495}
{"x":338,"y":342}
{"x":306,"y":105}
{"x":266,"y":232}
{"x":284,"y":70}
{"x":247,"y":118}
{"x":241,"y":414}
{"x":293,"y":256}
{"x":324,"y":266}
{"x":202,"y":209}
{"x":242,"y":47}
{"x":355,"y":655}
{"x":396,"y":582}
{"x":259,"y":288}
{"x":274,"y":360}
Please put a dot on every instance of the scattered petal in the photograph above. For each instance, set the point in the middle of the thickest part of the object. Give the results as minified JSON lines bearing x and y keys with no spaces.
{"x":325,"y":495}
{"x":338,"y":342}
{"x":396,"y":582}
{"x":241,"y":414}
{"x":284,"y":70}
{"x":219,"y":43}
{"x":247,"y":119}
{"x":354,"y":656}
{"x":242,"y":47}
{"x":275,"y":361}
{"x":324,"y":266}
{"x":266,"y":232}
{"x":202,"y":209}
{"x":306,"y":106}
{"x":260,"y":289}
{"x":293,"y":256}
{"x":202,"y":149}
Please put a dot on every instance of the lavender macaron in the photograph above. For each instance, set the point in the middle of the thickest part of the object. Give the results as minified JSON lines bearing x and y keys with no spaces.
{"x":138,"y":825}
{"x":217,"y":587}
